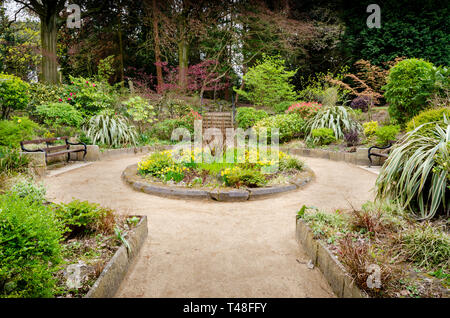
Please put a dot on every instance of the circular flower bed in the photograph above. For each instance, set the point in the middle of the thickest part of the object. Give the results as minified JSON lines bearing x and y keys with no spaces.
{"x":231,"y":168}
{"x":233,"y":175}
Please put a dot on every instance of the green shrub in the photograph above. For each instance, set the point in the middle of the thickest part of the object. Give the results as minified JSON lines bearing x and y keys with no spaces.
{"x":289,"y":163}
{"x":410,"y":84}
{"x":427,"y":246}
{"x":237,"y":176}
{"x":163,"y":129}
{"x":81,"y":217}
{"x":337,"y":118}
{"x":268,"y":82}
{"x":177,"y":108}
{"x":290,"y":126}
{"x":105,"y":69}
{"x":89,"y":97}
{"x":282,"y":107}
{"x":370,"y":128}
{"x":386,"y":134}
{"x":140,"y":111}
{"x":13,"y":94}
{"x":113,"y":131}
{"x":322,"y":136}
{"x":413,"y":176}
{"x":59,"y":114}
{"x":428,"y":116}
{"x":247,"y":117}
{"x":29,"y":189}
{"x":41,"y":93}
{"x":11,"y":161}
{"x":13,"y":131}
{"x":315,"y":88}
{"x":29,"y":251}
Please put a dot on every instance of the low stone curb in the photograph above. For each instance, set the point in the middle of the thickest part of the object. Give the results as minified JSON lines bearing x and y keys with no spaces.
{"x":130,"y":176}
{"x":357,"y":158}
{"x":338,"y":278}
{"x":114,"y":272}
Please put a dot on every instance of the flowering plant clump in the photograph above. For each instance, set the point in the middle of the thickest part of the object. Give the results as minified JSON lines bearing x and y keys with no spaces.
{"x":231,"y":168}
{"x":87,"y":96}
{"x":192,"y":115}
{"x":187,"y":121}
{"x":304,"y":109}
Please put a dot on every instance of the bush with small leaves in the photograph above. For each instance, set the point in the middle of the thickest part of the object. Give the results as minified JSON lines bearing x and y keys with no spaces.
{"x":370,"y":128}
{"x":13,"y":131}
{"x":13,"y":94}
{"x":410,"y":84}
{"x":82,"y":217}
{"x":322,"y":136}
{"x":237,"y":176}
{"x":387,"y":134}
{"x":289,"y":126}
{"x":30,"y":249}
{"x":268,"y":83}
{"x":247,"y":117}
{"x":58,"y":114}
{"x":428,"y":116}
{"x":140,"y":111}
{"x":361,"y":102}
{"x":27,"y":188}
{"x":351,"y":138}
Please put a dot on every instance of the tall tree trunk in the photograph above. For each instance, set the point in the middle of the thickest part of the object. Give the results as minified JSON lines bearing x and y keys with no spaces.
{"x":49,"y":71}
{"x":119,"y":16}
{"x":183,"y":59}
{"x":159,"y":75}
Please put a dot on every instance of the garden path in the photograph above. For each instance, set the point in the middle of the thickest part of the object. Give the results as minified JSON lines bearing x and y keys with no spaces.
{"x":214,"y":249}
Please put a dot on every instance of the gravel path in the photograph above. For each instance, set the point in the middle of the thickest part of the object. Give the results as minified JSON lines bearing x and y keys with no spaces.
{"x":213,"y":249}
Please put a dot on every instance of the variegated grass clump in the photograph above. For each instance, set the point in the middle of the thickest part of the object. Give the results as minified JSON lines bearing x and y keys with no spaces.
{"x":338,"y":118}
{"x":416,"y":172}
{"x":112,"y":131}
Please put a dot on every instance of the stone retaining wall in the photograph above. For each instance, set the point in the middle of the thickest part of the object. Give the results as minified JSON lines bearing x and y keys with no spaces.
{"x":357,"y":158}
{"x":114,"y":272}
{"x":130,"y":176}
{"x":334,"y":272}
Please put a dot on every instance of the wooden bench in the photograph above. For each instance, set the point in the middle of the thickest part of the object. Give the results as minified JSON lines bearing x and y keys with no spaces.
{"x":383,"y":155}
{"x":54,"y":151}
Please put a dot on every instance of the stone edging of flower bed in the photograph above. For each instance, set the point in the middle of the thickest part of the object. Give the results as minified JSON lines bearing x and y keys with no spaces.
{"x":114,"y":272}
{"x":338,"y":278}
{"x":357,"y":158}
{"x":130,"y":175}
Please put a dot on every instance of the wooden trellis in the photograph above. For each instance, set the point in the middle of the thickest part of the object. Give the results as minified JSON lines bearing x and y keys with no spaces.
{"x":220,"y":120}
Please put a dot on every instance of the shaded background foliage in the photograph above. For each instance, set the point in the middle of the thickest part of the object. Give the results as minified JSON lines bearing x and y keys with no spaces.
{"x":411,"y":28}
{"x":312,"y":36}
